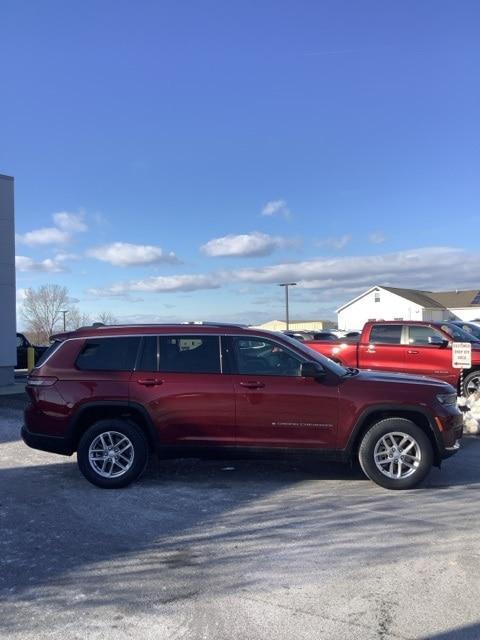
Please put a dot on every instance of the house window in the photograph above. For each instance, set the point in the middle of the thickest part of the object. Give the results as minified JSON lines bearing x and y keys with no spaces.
{"x":377,"y":296}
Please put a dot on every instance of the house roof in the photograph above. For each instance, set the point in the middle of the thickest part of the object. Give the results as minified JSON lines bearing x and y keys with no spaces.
{"x":430,"y":299}
{"x":456,"y":299}
{"x":423,"y":298}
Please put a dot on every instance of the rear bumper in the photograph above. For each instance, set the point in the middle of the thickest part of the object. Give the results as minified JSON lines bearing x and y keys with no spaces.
{"x":52,"y":444}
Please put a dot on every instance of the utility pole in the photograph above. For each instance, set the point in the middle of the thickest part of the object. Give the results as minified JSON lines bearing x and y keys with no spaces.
{"x":286,"y":285}
{"x":64,"y":321}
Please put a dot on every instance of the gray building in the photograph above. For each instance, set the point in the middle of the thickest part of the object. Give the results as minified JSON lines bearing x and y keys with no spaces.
{"x":8,"y":353}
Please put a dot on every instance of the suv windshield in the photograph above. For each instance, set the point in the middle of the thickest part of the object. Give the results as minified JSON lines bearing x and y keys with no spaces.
{"x":336,"y":368}
{"x":458,"y":334}
{"x":469,"y":327}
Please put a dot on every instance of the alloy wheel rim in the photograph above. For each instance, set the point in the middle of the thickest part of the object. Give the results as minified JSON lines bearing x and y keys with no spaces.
{"x":473,"y":385}
{"x":397,"y":455}
{"x":111,"y":454}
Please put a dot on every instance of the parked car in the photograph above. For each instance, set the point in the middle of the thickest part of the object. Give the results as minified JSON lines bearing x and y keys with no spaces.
{"x":324,"y":335}
{"x":297,"y":335}
{"x":469,"y":327}
{"x":422,"y":348}
{"x":338,"y":332}
{"x":116,"y":394}
{"x":22,"y":350}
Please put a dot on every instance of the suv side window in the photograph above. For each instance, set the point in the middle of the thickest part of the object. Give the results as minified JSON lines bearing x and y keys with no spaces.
{"x":386,"y":334}
{"x":189,"y":354}
{"x":148,"y":360}
{"x":419,"y":335}
{"x":108,"y":354}
{"x":257,"y":356}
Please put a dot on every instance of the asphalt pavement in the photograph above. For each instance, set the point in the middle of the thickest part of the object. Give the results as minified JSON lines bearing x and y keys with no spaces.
{"x":237,"y":550}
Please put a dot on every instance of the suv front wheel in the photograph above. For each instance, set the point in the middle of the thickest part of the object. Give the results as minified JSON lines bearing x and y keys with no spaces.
{"x":396,"y":453}
{"x":112,"y":453}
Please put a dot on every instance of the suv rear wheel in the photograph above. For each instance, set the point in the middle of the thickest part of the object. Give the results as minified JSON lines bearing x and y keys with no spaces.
{"x":112,"y":453}
{"x":396,"y":453}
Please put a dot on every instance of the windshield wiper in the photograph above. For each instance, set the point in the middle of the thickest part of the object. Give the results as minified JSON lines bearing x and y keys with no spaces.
{"x":351,"y":371}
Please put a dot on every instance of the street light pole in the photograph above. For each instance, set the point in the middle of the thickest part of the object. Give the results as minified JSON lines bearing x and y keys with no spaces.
{"x":286,"y":285}
{"x":64,"y":322}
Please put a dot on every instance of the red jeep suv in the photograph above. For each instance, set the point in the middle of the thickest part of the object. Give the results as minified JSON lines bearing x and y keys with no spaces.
{"x":115,"y":394}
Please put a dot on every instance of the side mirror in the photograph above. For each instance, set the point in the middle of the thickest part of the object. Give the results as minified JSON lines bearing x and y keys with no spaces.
{"x":312,"y":370}
{"x":437,"y":341}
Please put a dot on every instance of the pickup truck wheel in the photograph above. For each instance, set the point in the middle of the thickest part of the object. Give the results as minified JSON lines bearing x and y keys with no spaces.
{"x":471,"y":383}
{"x":112,"y":453}
{"x":396,"y":453}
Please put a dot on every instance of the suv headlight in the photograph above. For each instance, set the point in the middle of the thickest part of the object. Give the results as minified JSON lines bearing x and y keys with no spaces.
{"x":447,"y":398}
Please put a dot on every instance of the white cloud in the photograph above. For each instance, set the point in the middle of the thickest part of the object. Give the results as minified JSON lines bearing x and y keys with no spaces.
{"x":63,"y":257}
{"x":438,"y":267}
{"x":245,"y":244}
{"x":377,"y":237}
{"x":160,"y":284}
{"x":66,"y":224}
{"x":50,"y":265}
{"x":336,"y":243}
{"x":45,"y":236}
{"x":124,"y":254}
{"x":276,"y":208}
{"x":70,"y":222}
{"x":433,"y":268}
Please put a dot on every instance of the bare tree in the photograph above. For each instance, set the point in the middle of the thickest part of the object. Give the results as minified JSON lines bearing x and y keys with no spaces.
{"x":106,"y":317}
{"x":75,"y":319}
{"x":42,"y":310}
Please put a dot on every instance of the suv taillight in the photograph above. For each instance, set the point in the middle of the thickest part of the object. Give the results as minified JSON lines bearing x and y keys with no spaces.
{"x":41,"y":381}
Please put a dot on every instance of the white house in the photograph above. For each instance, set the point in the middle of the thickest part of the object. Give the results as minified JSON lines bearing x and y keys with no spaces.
{"x":391,"y":303}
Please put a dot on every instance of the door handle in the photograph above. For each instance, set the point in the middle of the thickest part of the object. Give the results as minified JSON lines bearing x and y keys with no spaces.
{"x":412,"y":351}
{"x":149,"y":382}
{"x":254,"y":384}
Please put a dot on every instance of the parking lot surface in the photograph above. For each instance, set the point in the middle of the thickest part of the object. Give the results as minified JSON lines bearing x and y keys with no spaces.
{"x":235,"y":549}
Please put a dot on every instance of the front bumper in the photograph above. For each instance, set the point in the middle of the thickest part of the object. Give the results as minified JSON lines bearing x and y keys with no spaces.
{"x":450,"y":430}
{"x":451,"y":451}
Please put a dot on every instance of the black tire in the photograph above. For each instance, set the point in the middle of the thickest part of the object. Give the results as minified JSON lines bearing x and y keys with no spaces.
{"x":133,"y":461}
{"x":472,"y":381}
{"x":372,"y":442}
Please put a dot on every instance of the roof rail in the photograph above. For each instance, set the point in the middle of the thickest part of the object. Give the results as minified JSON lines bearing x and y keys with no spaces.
{"x":214,"y":324}
{"x":100,"y":325}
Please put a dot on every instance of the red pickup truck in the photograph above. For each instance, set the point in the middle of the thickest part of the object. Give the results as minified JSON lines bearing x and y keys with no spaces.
{"x":421,"y":348}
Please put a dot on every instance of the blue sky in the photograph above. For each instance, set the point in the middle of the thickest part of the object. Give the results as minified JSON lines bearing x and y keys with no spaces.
{"x":176,"y":160}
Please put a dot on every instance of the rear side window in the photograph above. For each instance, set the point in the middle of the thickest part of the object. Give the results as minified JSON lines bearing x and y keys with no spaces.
{"x":386,"y":334}
{"x":48,"y":352}
{"x":108,"y":354}
{"x":189,"y":354}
